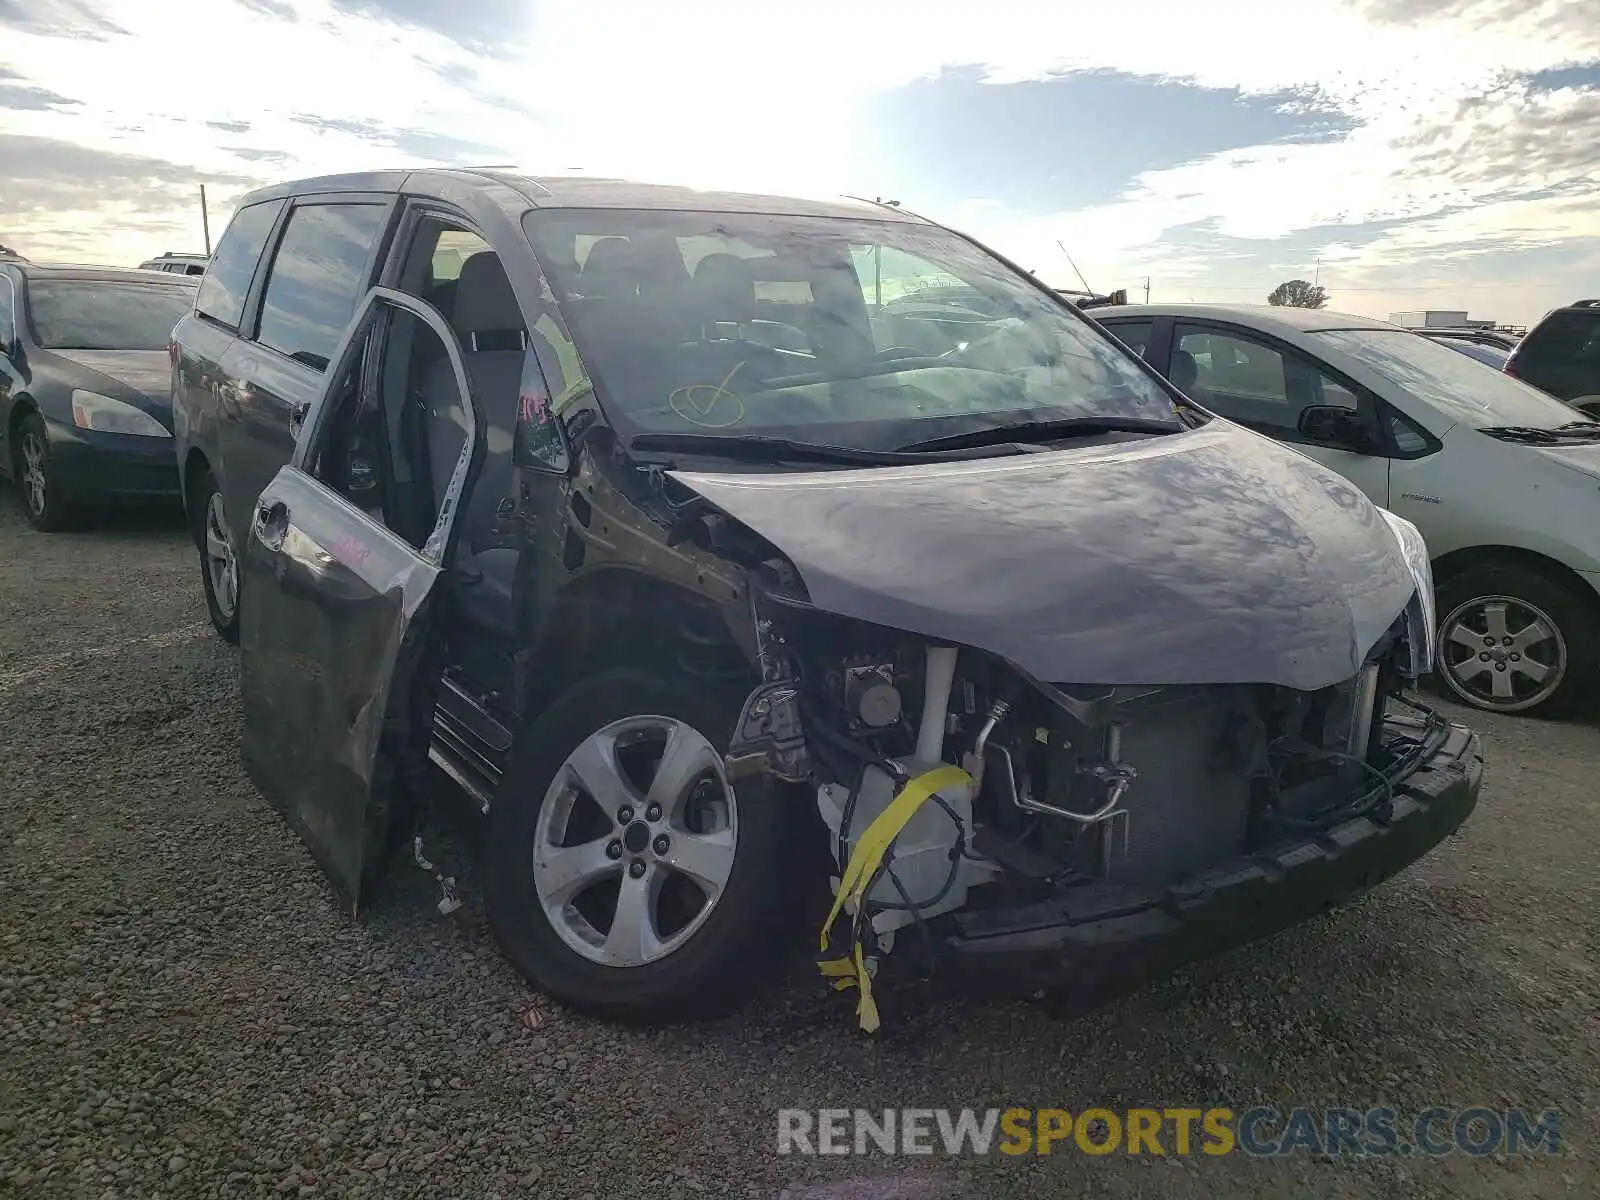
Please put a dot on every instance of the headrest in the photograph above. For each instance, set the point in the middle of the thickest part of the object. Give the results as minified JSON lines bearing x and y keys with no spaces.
{"x":726,"y":286}
{"x":611,"y":269}
{"x":1185,"y":370}
{"x":484,"y":299}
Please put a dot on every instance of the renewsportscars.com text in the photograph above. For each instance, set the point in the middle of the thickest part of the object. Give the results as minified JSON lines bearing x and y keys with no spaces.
{"x":1258,"y":1132}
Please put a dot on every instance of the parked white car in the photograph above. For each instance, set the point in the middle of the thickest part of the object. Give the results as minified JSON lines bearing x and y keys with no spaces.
{"x":1502,"y":479}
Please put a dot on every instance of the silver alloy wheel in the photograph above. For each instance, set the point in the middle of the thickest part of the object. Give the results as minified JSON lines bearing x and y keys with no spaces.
{"x":1502,"y":653}
{"x":222,"y":564}
{"x":33,"y":480}
{"x":635,"y":841}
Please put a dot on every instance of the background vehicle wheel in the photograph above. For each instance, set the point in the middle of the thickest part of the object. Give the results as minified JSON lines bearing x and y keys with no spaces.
{"x":626,"y":876}
{"x":1514,"y":640}
{"x":42,"y":502}
{"x":219,"y":561}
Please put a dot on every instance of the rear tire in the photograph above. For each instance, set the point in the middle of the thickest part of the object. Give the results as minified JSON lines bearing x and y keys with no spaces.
{"x":38,"y":492}
{"x":1503,"y":624}
{"x":557,"y":934}
{"x":219,"y":560}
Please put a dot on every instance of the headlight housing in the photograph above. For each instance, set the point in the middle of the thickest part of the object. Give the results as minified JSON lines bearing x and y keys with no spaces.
{"x":1422,"y":617}
{"x":102,"y":414}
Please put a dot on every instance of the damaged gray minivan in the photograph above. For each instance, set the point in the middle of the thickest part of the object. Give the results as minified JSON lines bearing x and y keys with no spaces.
{"x":696,"y":535}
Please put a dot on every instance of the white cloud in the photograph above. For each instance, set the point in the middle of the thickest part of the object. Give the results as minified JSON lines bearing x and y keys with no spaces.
{"x":763,"y":95}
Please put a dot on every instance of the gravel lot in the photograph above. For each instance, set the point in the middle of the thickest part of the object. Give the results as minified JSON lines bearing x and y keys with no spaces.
{"x":183,"y":1011}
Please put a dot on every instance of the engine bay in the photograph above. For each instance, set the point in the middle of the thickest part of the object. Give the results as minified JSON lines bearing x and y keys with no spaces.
{"x":1059,"y":787}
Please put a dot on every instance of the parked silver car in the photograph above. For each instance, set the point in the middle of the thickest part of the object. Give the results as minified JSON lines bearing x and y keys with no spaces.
{"x":1500,"y":478}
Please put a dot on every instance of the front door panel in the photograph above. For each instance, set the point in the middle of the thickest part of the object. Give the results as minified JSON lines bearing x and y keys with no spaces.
{"x":338,"y":618}
{"x":335,"y":602}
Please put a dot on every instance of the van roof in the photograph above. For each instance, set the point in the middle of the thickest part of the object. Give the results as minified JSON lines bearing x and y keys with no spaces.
{"x":515,"y":189}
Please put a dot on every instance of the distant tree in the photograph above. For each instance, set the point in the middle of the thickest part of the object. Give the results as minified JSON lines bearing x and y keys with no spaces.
{"x":1297,"y":293}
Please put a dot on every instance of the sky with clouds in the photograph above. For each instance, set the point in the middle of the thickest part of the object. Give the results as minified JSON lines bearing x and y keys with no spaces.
{"x":1408,"y":153}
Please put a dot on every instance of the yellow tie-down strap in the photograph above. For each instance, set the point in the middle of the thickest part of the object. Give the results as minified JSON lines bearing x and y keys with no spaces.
{"x":850,"y":970}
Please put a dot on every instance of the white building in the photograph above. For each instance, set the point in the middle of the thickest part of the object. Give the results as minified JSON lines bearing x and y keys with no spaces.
{"x":1438,"y":318}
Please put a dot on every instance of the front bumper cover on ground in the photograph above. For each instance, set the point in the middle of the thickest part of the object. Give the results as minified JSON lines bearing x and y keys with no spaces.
{"x":1096,"y":941}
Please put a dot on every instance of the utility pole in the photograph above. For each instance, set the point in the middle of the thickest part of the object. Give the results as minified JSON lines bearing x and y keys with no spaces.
{"x":1316,"y":279}
{"x":1147,"y":289}
{"x":205,"y":219}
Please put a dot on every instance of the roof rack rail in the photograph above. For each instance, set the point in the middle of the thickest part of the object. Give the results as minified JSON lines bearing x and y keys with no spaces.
{"x":1585,"y":304}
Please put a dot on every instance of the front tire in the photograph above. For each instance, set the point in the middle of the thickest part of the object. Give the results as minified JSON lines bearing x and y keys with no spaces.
{"x":219,"y":559}
{"x":626,"y":877}
{"x":38,"y":490}
{"x":1516,"y":640}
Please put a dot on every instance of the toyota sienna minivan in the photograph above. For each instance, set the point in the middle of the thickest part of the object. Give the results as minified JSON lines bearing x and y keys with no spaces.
{"x":710,"y":558}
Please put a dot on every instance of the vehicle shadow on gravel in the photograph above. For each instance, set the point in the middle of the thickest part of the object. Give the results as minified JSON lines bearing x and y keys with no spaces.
{"x":151,"y":516}
{"x":1275,"y":1006}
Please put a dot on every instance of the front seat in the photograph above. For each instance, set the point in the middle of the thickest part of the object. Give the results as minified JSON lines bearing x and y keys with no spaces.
{"x":610,"y":271}
{"x":1185,"y":372}
{"x":489,"y":324}
{"x":723,"y":292}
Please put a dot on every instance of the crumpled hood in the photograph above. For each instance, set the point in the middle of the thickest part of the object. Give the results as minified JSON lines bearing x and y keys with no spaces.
{"x":147,"y":372}
{"x":1210,"y":556}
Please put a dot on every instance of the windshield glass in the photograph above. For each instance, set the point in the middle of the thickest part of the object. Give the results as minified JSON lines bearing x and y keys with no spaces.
{"x":1458,"y":386}
{"x":865,"y":333}
{"x":94,"y":314}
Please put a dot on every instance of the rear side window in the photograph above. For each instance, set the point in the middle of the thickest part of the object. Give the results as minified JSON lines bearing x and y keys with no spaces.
{"x":1562,"y":334}
{"x":1133,"y":334}
{"x":317,"y":278}
{"x":1562,"y":354}
{"x":223,"y":293}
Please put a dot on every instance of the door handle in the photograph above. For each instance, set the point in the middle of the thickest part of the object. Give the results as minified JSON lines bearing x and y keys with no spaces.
{"x":272,"y":522}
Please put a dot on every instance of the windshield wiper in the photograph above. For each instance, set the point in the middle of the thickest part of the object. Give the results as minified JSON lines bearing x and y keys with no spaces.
{"x":1581,"y":430}
{"x":1043,"y":431}
{"x":762,"y":448}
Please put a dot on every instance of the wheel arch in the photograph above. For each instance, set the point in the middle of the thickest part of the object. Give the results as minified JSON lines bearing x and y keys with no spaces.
{"x":192,"y":467}
{"x":616,"y":616}
{"x":1457,"y":562}
{"x":21,"y":406}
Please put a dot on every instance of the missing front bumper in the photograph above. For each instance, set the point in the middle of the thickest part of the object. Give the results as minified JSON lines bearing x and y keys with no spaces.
{"x":1097,"y":940}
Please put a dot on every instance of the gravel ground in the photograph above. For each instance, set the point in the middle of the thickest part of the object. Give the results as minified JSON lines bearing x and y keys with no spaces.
{"x":184,"y":1012}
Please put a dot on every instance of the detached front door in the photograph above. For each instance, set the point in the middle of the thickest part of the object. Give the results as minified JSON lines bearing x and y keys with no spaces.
{"x":340,"y":600}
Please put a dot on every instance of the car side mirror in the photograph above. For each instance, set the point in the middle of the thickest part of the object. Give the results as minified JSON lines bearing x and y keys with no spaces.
{"x":1335,"y":426}
{"x":539,"y":442}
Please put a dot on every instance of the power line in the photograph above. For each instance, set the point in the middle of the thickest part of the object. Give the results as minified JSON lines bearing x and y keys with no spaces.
{"x":1409,"y":287}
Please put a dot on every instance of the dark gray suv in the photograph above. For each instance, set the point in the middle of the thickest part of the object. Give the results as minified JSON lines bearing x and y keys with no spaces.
{"x":711,"y":548}
{"x":1561,"y":355}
